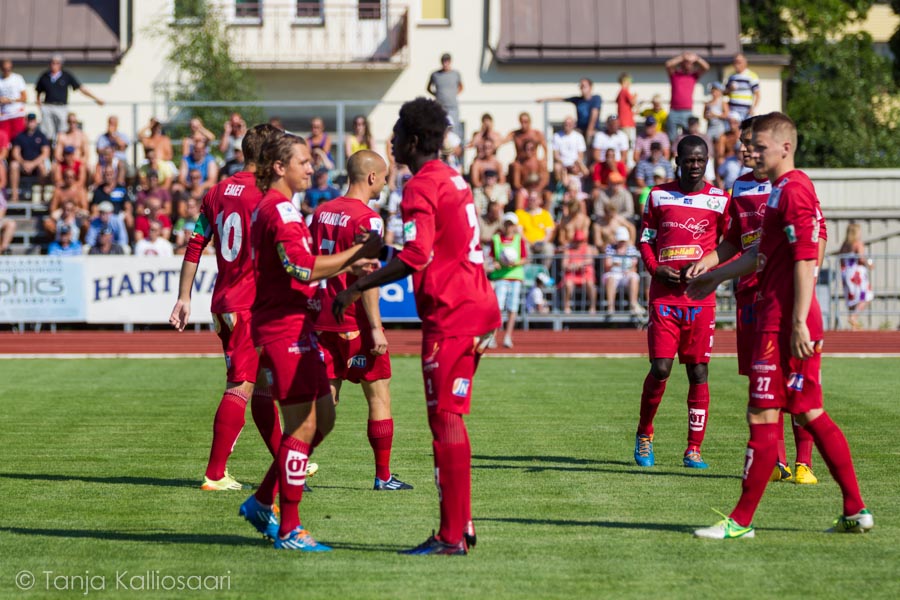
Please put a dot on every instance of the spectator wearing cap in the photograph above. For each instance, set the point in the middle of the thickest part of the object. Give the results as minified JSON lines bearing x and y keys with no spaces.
{"x":72,"y":137}
{"x":486,"y":160}
{"x":115,"y":139}
{"x":71,"y":163}
{"x":490,"y":223}
{"x":492,"y":191}
{"x":116,"y":194}
{"x":53,"y":95}
{"x":65,"y":243}
{"x":321,"y":191}
{"x":152,"y":212}
{"x":106,"y":244}
{"x":684,"y":70}
{"x":568,"y":153}
{"x":643,"y":172}
{"x":615,"y":194}
{"x":620,"y":272}
{"x":30,"y":156}
{"x":587,"y":108}
{"x":578,"y":272}
{"x":154,"y":244}
{"x":446,"y":85}
{"x":716,"y":111}
{"x":650,"y":135}
{"x":7,"y":227}
{"x":611,"y":138}
{"x":106,"y":218}
{"x":743,"y":88}
{"x":528,"y":171}
{"x":609,"y":165}
{"x":12,"y":100}
{"x":233,"y":132}
{"x":201,"y":161}
{"x":509,"y":253}
{"x":626,"y":100}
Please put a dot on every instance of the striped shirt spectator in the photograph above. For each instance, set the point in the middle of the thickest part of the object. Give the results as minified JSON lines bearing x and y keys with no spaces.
{"x":743,"y":88}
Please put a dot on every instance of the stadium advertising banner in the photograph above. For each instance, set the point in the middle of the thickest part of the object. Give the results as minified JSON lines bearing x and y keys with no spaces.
{"x":397,"y":301}
{"x":41,"y":289}
{"x":127,"y":289}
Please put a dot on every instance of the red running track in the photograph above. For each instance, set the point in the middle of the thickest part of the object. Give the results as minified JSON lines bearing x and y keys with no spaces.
{"x":539,"y":342}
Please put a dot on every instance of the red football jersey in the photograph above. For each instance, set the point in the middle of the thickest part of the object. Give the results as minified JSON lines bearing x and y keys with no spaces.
{"x":748,"y":205}
{"x":228,"y":206}
{"x":678,"y":229}
{"x":334,"y":228}
{"x":286,"y":303}
{"x":790,"y":233}
{"x":441,"y":242}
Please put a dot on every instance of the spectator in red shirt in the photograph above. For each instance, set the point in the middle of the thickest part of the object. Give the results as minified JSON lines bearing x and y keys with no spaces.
{"x":70,"y":163}
{"x":152,"y":213}
{"x":578,"y":270}
{"x":684,"y":72}
{"x":610,"y":164}
{"x":626,"y":100}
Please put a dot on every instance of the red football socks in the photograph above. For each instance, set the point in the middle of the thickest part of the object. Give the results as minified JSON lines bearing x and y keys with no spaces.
{"x":782,"y":450}
{"x":804,"y":441}
{"x":698,"y":412}
{"x":452,"y":473}
{"x":293,"y":457}
{"x":381,"y":438}
{"x":227,"y":427}
{"x":762,"y":452}
{"x":835,"y":452}
{"x":269,"y":486}
{"x":268,"y":422}
{"x":650,"y":400}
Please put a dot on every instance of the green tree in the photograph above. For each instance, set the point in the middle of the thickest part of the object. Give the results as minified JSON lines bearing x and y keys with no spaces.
{"x":894,"y":44}
{"x":840,"y":93}
{"x":200,"y":51}
{"x":771,"y":24}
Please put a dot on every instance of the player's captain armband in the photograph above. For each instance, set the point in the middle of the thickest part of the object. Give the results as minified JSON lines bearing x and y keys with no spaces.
{"x":680,"y":253}
{"x":288,"y":213}
{"x":409,"y":231}
{"x":201,"y":227}
{"x":791,"y":234}
{"x":376,"y":224}
{"x":459,"y":182}
{"x":648,"y":235}
{"x":750,"y":239}
{"x":295,"y":271}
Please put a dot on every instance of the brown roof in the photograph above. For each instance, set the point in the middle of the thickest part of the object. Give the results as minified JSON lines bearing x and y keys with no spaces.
{"x":617,"y":30}
{"x":83,"y":31}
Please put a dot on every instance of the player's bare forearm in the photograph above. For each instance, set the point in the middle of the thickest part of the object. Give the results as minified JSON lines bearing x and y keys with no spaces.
{"x":745,"y":265}
{"x":370,"y":302}
{"x":186,"y":280}
{"x":394,"y":270}
{"x":804,"y":287}
{"x":722,"y":254}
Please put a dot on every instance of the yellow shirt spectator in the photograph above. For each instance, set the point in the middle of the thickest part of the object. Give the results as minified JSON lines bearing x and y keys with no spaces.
{"x":536,"y":226}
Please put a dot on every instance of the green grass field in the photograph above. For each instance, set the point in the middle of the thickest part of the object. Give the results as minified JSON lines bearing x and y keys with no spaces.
{"x":102,"y":460}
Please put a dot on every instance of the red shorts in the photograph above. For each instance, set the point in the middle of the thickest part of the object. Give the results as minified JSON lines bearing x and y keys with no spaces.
{"x":778,"y":380}
{"x":746,"y":326}
{"x":294,"y":369}
{"x":448,"y":367}
{"x":685,"y":330}
{"x":349,"y":357}
{"x":13,"y":127}
{"x":241,"y":359}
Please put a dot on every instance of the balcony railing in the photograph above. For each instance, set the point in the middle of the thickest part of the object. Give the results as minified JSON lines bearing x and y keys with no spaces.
{"x":310,"y":33}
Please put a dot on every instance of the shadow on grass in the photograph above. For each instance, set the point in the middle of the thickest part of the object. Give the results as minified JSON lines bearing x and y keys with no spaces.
{"x":119,"y":480}
{"x":123,"y":536}
{"x":633,"y":471}
{"x":611,"y":524}
{"x":566,"y":460}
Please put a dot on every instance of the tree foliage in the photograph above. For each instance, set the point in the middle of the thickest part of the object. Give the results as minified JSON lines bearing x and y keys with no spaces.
{"x":201,"y":53}
{"x":894,"y":44}
{"x":771,"y":24}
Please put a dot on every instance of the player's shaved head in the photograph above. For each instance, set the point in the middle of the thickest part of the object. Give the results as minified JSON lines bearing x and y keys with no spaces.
{"x":780,"y":126}
{"x":362,"y":163}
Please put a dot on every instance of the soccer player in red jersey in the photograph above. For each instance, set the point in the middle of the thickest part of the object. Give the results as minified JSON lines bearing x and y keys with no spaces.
{"x":225,"y":220}
{"x":682,"y":221}
{"x":785,"y":370}
{"x":356,"y":349}
{"x":748,"y":203}
{"x":282,"y":326}
{"x":458,"y":309}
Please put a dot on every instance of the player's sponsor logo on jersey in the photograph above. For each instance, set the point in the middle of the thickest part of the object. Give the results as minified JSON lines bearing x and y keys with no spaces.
{"x":409,"y":231}
{"x":461,"y":387}
{"x":815,"y":230}
{"x":376,"y":224}
{"x":795,"y":382}
{"x":288,"y":213}
{"x":713,"y":202}
{"x":696,"y":419}
{"x":459,"y":182}
{"x":687,"y":252}
{"x":335,"y":219}
{"x":791,"y":234}
{"x":774,"y":197}
{"x":697,"y":228}
{"x":295,"y":467}
{"x":314,"y":305}
{"x":688,"y":201}
{"x":717,"y":191}
{"x":357,"y":362}
{"x":233,"y":189}
{"x":751,"y":238}
{"x":648,"y":235}
{"x":759,"y":212}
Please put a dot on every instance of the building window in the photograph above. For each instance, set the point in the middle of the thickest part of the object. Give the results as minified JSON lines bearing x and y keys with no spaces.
{"x":369,"y":10}
{"x":248,"y":9}
{"x":435,"y":12}
{"x":309,"y":9}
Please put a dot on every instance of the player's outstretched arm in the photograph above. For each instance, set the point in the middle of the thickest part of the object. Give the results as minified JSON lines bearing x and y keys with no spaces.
{"x":394,"y":270}
{"x":703,"y":285}
{"x":181,"y":313}
{"x":722,"y":254}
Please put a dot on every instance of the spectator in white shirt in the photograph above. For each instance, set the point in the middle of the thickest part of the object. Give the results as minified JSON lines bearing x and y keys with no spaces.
{"x":12,"y":100}
{"x":155,"y":244}
{"x":610,"y":138}
{"x":568,"y":152}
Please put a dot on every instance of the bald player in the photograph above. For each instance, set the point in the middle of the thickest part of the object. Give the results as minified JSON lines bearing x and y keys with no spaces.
{"x":356,"y":349}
